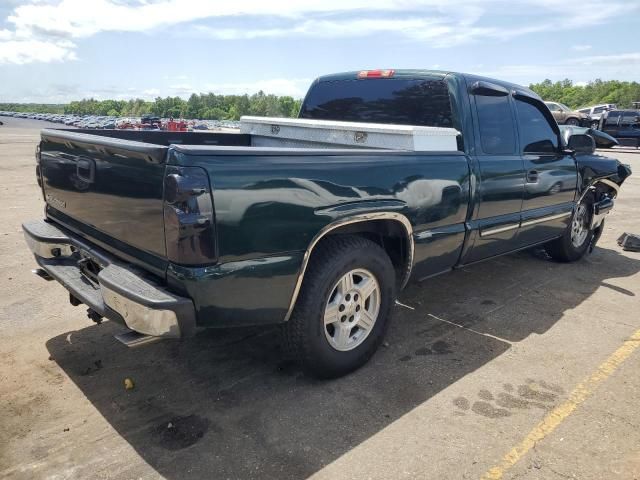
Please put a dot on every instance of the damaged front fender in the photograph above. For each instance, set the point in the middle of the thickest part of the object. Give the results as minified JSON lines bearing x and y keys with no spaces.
{"x":602,"y":174}
{"x":602,"y":177}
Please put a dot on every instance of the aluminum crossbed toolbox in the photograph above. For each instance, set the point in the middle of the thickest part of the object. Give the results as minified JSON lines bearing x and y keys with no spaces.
{"x":296,"y":132}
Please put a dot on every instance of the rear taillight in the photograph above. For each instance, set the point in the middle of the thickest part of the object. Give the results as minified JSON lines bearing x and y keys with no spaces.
{"x":189,"y":226}
{"x":39,"y":170}
{"x":376,"y":73}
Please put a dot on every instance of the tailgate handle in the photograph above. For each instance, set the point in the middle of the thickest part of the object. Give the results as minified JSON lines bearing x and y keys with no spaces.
{"x":86,"y":170}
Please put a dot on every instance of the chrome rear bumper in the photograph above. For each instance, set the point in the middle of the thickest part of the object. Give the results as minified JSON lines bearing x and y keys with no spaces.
{"x":114,"y":290}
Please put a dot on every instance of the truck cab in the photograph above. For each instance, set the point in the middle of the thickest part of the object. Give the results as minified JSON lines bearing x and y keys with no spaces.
{"x":522,"y":182}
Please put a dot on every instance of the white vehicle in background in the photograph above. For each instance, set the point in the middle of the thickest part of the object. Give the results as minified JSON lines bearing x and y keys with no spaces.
{"x":596,"y":111}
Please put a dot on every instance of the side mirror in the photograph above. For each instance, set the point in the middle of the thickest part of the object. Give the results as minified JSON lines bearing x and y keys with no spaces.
{"x":582,"y":143}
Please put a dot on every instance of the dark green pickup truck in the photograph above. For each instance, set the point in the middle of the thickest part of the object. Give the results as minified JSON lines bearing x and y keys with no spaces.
{"x":167,"y":232}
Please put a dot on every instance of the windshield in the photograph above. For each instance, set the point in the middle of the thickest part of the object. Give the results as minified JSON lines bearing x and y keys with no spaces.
{"x":394,"y":101}
{"x":564,"y":107}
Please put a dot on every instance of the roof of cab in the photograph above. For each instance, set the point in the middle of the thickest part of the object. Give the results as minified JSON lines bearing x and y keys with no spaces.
{"x":396,"y":74}
{"x":430,"y":74}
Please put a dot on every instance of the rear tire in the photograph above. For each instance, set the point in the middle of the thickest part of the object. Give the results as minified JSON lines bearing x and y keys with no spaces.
{"x":578,"y":236}
{"x":343,"y":309}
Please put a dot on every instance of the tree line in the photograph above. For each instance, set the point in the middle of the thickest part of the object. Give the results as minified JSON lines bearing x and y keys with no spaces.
{"x":32,"y":107}
{"x":593,"y":93}
{"x":209,"y":106}
{"x":206,"y":106}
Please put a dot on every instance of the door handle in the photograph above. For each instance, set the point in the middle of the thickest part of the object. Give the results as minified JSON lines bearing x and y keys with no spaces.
{"x":532,"y":176}
{"x":86,"y":170}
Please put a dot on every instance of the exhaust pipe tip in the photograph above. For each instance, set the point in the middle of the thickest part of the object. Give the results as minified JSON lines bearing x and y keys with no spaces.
{"x":42,"y":273}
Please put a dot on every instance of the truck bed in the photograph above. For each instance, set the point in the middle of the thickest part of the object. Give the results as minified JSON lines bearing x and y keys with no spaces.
{"x":108,"y":185}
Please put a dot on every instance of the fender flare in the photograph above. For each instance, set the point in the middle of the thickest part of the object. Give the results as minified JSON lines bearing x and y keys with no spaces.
{"x":364,"y":217}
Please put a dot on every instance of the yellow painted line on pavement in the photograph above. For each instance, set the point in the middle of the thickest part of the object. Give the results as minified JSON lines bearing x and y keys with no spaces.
{"x":583,"y":391}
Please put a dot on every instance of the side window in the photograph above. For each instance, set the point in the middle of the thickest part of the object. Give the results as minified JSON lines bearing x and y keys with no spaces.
{"x":612,"y":118}
{"x":497,"y":134}
{"x":598,"y":110}
{"x":536,"y":133}
{"x":630,"y":118}
{"x":553,"y":107}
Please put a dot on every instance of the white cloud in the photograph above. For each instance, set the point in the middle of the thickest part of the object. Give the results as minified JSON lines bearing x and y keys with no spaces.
{"x":28,"y":51}
{"x":81,"y":18}
{"x":440,"y":32}
{"x":581,"y":48}
{"x":440,"y":29}
{"x":6,"y":34}
{"x":611,"y":66}
{"x":441,"y":24}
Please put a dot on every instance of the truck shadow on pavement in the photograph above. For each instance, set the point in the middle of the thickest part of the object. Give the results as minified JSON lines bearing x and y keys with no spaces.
{"x":223,"y":405}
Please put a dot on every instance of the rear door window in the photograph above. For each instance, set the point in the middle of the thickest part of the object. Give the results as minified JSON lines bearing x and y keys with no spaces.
{"x":400,"y":101}
{"x":612,"y":118}
{"x":497,"y":133}
{"x":630,"y":119}
{"x":536,"y":133}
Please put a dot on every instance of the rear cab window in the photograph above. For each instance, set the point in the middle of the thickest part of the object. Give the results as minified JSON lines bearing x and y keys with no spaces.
{"x":497,"y":133}
{"x":402,"y":101}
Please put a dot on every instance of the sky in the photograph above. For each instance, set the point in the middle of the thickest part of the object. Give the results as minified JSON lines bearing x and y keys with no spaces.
{"x":55,"y":51}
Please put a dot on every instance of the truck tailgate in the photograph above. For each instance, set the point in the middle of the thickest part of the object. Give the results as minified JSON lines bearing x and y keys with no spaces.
{"x":106,"y":187}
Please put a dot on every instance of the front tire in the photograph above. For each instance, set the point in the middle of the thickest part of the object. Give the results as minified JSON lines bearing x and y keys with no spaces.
{"x":343,"y":309}
{"x":574,"y":122}
{"x":577,"y":238}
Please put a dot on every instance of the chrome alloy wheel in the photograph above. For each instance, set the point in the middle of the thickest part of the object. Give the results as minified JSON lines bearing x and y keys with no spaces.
{"x":580,"y":226}
{"x":352,"y":310}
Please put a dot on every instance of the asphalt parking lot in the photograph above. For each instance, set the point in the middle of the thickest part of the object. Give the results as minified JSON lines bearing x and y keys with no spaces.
{"x":514,"y":368}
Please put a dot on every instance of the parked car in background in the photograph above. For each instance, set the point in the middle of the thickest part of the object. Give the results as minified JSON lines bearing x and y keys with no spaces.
{"x":565,"y":116}
{"x":148,"y":122}
{"x":623,"y":125}
{"x":596,"y":111}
